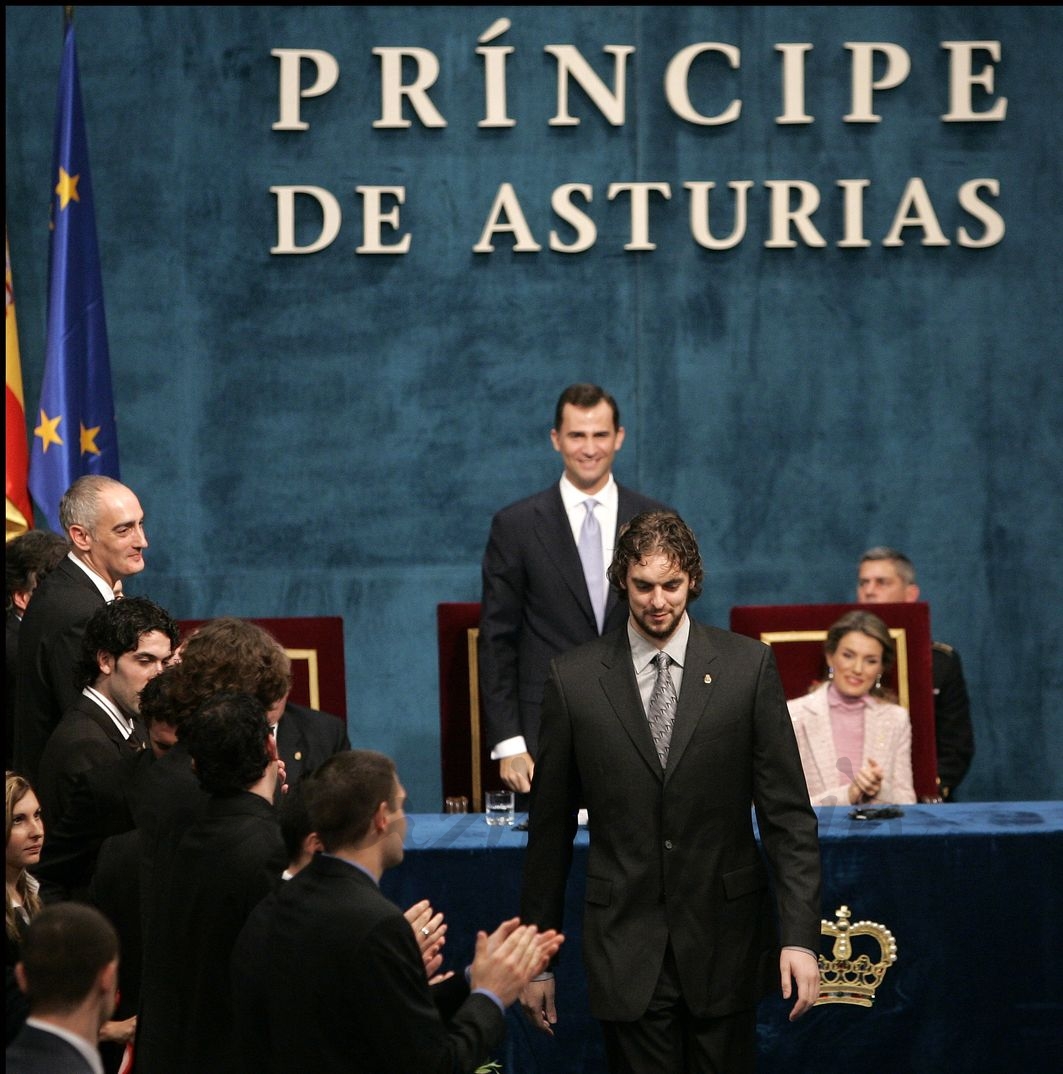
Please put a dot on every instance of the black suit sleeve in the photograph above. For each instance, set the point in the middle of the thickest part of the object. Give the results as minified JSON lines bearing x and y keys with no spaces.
{"x":501,"y":620}
{"x":952,"y":718}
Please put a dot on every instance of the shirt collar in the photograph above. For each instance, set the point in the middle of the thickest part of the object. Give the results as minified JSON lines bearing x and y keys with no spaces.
{"x":573,"y":497}
{"x":643,"y":651}
{"x":119,"y":718}
{"x":106,"y":590}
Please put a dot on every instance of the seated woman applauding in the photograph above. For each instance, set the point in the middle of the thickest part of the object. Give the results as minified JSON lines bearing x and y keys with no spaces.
{"x":855,"y":747}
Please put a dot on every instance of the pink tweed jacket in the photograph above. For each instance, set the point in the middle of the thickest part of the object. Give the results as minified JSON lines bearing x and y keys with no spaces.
{"x":887,"y":739}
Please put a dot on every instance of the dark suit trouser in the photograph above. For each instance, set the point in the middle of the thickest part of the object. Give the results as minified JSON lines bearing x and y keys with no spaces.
{"x":668,"y":1039}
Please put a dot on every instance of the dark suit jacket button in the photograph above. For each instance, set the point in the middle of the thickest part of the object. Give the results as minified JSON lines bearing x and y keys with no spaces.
{"x":668,"y":844}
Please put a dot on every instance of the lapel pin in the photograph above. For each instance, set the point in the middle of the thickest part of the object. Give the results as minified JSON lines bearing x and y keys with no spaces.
{"x":708,"y":679}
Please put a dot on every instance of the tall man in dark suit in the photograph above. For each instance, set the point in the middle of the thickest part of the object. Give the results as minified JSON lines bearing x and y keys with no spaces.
{"x":669,"y":731}
{"x":886,"y":576}
{"x":69,"y":971}
{"x":542,"y":595}
{"x":125,"y":645}
{"x":105,"y":524}
{"x":327,"y":974}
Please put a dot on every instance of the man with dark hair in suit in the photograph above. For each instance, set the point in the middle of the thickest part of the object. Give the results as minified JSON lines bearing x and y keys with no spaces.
{"x":125,"y":645}
{"x":225,"y":863}
{"x":105,"y":524}
{"x":103,"y":804}
{"x":305,"y":738}
{"x":668,"y":731}
{"x":69,"y":972}
{"x":544,"y":585}
{"x":27,"y":559}
{"x":886,"y":576}
{"x":330,"y":955}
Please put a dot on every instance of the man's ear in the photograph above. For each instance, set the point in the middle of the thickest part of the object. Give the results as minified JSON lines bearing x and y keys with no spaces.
{"x":382,"y":817}
{"x":107,"y":978}
{"x":80,"y":538}
{"x":912,"y":593}
{"x":20,"y":978}
{"x":105,"y":662}
{"x":20,"y":598}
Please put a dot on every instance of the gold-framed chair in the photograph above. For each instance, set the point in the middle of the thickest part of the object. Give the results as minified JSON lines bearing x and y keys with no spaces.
{"x":464,"y":754}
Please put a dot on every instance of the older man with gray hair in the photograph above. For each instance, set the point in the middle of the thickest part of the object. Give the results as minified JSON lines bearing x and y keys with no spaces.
{"x":105,"y":525}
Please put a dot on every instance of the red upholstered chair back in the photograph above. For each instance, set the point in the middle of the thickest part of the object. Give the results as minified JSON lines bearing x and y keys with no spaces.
{"x":464,"y":755}
{"x":315,"y":646}
{"x":796,"y":633}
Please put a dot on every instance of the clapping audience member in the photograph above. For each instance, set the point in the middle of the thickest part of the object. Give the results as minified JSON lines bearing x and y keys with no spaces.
{"x":125,"y":645}
{"x":225,"y":863}
{"x":856,"y":747}
{"x":331,"y":923}
{"x":105,"y":524}
{"x":27,"y":559}
{"x":301,"y":843}
{"x":69,"y":972}
{"x":886,"y":576}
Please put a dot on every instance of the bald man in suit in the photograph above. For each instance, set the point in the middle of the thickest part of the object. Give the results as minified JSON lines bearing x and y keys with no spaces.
{"x":105,"y":524}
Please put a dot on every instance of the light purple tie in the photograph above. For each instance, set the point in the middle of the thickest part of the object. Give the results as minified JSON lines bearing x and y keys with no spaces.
{"x":590,"y":552}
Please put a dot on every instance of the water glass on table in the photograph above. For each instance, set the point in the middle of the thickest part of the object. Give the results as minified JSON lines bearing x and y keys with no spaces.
{"x":499,"y":808}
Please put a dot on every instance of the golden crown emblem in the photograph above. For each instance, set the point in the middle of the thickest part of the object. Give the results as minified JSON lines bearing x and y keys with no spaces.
{"x":849,"y":979}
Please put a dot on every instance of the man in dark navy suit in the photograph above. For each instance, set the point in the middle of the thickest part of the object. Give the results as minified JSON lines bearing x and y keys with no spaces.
{"x":326,"y":973}
{"x":69,"y":971}
{"x":539,"y":597}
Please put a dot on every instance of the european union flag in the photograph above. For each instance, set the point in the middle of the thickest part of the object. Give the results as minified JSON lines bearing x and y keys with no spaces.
{"x":75,"y":429}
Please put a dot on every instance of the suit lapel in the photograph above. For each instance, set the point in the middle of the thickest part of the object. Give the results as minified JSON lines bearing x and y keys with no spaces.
{"x":820,"y":737}
{"x":694,"y":697}
{"x":555,"y":536}
{"x":103,"y":720}
{"x":621,"y":691}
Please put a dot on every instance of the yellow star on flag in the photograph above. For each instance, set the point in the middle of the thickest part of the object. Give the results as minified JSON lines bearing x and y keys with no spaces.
{"x":67,"y":188}
{"x":88,"y":441}
{"x":47,"y":431}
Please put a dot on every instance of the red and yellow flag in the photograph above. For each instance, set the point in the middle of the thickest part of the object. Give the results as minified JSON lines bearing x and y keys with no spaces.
{"x":19,"y":511}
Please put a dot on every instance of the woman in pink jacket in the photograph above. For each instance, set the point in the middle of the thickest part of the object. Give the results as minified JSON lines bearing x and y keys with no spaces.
{"x":856,"y":746}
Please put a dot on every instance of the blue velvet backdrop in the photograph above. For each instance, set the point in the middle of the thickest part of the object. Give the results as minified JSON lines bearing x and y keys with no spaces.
{"x":329,"y":434}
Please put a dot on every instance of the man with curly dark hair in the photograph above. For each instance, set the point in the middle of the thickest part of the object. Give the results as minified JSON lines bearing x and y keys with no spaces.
{"x":125,"y":645}
{"x":669,"y":731}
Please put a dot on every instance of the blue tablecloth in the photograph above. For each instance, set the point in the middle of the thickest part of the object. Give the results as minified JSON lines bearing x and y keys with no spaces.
{"x":971,"y":892}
